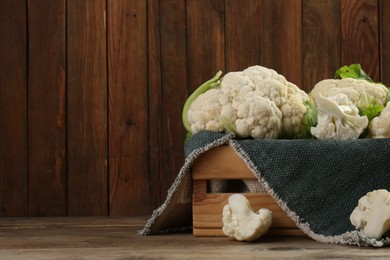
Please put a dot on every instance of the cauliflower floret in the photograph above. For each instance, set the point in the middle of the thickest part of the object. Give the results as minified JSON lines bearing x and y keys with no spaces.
{"x":272,"y":89}
{"x":235,"y":82}
{"x":258,"y":117}
{"x":205,"y":112}
{"x":241,"y":222}
{"x":380,"y":126}
{"x":338,"y":118}
{"x":293,"y":111}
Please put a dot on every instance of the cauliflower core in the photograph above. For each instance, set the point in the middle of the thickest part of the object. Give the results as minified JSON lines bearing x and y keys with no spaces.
{"x":372,"y":215}
{"x":241,"y":223}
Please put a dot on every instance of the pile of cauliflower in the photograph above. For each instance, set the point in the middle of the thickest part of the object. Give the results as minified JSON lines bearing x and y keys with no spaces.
{"x":259,"y":103}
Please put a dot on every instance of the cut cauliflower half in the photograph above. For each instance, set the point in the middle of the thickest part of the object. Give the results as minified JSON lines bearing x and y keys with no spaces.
{"x":380,"y":126}
{"x":241,"y":222}
{"x":372,"y":215}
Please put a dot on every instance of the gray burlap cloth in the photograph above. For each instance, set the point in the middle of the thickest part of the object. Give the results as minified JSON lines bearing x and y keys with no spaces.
{"x":316,"y":182}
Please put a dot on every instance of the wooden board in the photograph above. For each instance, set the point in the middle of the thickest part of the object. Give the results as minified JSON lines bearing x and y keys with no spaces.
{"x":282,"y":42}
{"x":47,"y":109}
{"x":360,"y":35}
{"x":222,"y":163}
{"x":128,"y":108}
{"x":173,"y":92}
{"x":243,"y":49}
{"x":117,"y":238}
{"x":13,"y":108}
{"x":384,"y":10}
{"x":87,"y":108}
{"x":320,"y":41}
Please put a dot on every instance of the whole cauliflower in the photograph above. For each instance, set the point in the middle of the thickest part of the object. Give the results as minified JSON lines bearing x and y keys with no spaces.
{"x":346,"y":106}
{"x":256,"y":102}
{"x":380,"y":126}
{"x":360,"y":92}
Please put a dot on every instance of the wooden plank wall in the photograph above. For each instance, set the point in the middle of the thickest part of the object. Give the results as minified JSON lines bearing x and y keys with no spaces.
{"x":91,"y":91}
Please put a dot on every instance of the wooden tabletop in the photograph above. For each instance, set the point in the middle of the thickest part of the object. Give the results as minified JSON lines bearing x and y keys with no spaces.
{"x":117,"y":238}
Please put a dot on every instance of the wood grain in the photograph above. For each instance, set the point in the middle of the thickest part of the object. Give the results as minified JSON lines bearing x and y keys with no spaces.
{"x":360,"y":35}
{"x":128,"y":108}
{"x":74,"y":131}
{"x":173,"y":91}
{"x":117,"y":238}
{"x":282,"y":47}
{"x":320,"y":41}
{"x":154,"y":100}
{"x":46,"y":109}
{"x":13,"y":108}
{"x":87,"y":108}
{"x":385,"y":41}
{"x":205,"y":40}
{"x":243,"y":34}
{"x":220,"y":163}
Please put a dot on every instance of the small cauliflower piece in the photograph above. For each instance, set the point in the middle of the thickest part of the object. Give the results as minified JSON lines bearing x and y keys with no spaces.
{"x":380,"y":126}
{"x":338,"y":118}
{"x":241,"y":222}
{"x":258,"y":117}
{"x":372,"y":215}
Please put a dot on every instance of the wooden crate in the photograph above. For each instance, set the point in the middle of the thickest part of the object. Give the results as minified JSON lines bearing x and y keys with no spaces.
{"x":222,"y":163}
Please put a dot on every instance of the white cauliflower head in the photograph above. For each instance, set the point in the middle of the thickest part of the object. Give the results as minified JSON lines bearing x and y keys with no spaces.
{"x":338,"y":118}
{"x":256,"y":102}
{"x":372,"y":215}
{"x":360,"y":92}
{"x":241,"y":222}
{"x":380,"y":126}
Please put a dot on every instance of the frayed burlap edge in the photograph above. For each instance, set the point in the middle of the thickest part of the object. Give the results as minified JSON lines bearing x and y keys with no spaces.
{"x":184,"y":171}
{"x":348,"y":238}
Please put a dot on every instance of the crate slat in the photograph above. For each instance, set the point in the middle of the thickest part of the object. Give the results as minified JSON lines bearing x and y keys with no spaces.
{"x":222,"y":163}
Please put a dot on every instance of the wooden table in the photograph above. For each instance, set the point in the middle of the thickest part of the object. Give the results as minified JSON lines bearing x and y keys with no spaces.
{"x":117,"y":238}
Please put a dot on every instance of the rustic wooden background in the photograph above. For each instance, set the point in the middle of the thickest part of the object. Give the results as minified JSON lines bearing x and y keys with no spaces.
{"x":91,"y":91}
